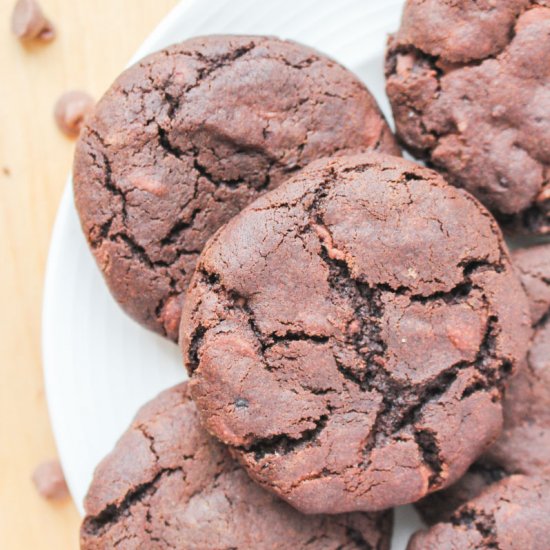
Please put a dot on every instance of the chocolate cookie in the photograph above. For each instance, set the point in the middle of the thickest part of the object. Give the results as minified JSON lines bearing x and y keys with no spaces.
{"x":168,"y":484}
{"x":512,"y":514}
{"x":469,"y":83}
{"x":533,"y":266}
{"x":187,"y":137}
{"x":348,"y":334}
{"x":524,"y":446}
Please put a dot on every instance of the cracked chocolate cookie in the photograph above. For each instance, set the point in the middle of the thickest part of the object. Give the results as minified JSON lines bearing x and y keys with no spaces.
{"x":168,"y":484}
{"x":512,"y":514}
{"x":469,"y":84}
{"x":187,"y":137}
{"x":524,"y":446}
{"x":349,"y":333}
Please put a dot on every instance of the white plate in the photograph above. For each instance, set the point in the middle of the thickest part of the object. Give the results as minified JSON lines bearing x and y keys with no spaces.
{"x":99,"y":365}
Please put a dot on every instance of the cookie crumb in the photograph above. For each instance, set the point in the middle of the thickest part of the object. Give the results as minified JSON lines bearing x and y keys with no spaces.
{"x":70,"y":111}
{"x":6,"y":171}
{"x":28,"y":22}
{"x":49,"y":480}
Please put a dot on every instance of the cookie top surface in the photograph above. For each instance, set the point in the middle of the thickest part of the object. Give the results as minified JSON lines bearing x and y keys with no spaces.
{"x":187,"y":137}
{"x":512,"y":514}
{"x":167,"y":481}
{"x":469,"y":84}
{"x":523,"y":447}
{"x":307,"y":325}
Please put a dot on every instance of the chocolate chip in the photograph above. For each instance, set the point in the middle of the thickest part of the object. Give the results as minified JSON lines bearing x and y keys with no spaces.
{"x":28,"y":22}
{"x":49,"y":480}
{"x":70,"y":111}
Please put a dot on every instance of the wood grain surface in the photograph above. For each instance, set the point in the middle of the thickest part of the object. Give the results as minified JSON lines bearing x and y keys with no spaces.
{"x":95,"y":40}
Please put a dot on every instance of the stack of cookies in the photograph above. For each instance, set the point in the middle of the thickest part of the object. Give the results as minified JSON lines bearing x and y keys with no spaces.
{"x":355,"y":331}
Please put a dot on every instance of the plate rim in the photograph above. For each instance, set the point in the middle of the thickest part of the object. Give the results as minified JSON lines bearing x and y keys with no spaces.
{"x":61,"y":220}
{"x":64,"y":220}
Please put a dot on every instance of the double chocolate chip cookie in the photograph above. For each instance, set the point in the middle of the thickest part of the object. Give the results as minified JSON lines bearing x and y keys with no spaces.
{"x":469,"y":84}
{"x":348,"y":335}
{"x":524,"y":446}
{"x":512,"y":514}
{"x":190,"y":135}
{"x":168,"y":484}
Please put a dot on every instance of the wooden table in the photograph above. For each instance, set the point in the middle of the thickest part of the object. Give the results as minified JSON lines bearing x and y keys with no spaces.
{"x":95,"y":40}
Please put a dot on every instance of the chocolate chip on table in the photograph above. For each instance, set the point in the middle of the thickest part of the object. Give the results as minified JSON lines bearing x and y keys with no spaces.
{"x":71,"y":110}
{"x":28,"y":22}
{"x":49,"y":480}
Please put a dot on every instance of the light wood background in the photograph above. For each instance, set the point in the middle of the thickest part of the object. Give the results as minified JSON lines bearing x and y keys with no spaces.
{"x":95,"y":40}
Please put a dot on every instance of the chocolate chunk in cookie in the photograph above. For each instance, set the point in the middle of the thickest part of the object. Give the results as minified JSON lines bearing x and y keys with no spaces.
{"x":168,"y":484}
{"x":524,"y":446}
{"x":512,"y":514}
{"x":349,"y":334}
{"x":469,"y":84}
{"x":190,"y":135}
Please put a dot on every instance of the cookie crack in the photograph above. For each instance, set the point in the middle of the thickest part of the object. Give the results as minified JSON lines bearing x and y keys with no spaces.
{"x":164,"y":141}
{"x":97,"y":525}
{"x":483,"y":522}
{"x":212,"y":64}
{"x":180,"y":226}
{"x":443,"y":381}
{"x":297,"y":336}
{"x":367,"y":304}
{"x":196,"y":341}
{"x":159,"y":267}
{"x":426,"y":440}
{"x":234,"y":302}
{"x":103,"y":233}
{"x":401,"y":406}
{"x":143,"y":429}
{"x":489,"y":471}
{"x":280,"y":443}
{"x":99,"y":233}
{"x":219,"y":62}
{"x":356,"y":537}
{"x":305,"y":63}
{"x":265,"y":342}
{"x":283,"y":444}
{"x":543,"y":321}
